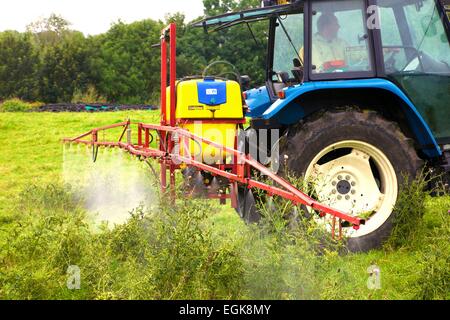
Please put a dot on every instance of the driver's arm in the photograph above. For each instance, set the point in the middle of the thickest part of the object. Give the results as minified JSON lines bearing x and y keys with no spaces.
{"x":317,"y":58}
{"x":301,"y":53}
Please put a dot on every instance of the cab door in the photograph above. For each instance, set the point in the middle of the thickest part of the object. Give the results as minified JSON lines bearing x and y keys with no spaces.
{"x":417,"y":57}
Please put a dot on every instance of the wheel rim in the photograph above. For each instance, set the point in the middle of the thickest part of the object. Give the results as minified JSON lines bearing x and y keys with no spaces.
{"x":357,"y":178}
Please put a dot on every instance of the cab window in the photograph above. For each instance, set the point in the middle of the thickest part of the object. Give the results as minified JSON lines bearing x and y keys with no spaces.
{"x":423,"y":46}
{"x":340,"y":41}
{"x":286,"y":52}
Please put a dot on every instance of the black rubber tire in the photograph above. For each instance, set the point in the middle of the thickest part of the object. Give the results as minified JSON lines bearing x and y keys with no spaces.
{"x":313,"y":135}
{"x":247,"y":199}
{"x":247,"y":206}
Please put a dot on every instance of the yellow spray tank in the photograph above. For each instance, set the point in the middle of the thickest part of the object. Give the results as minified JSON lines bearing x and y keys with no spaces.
{"x":212,"y":109}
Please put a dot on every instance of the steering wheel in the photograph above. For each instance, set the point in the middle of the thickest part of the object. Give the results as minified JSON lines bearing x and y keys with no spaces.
{"x":391,"y":61}
{"x":222,"y":75}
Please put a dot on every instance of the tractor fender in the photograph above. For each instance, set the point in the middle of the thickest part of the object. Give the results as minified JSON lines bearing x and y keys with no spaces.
{"x":290,"y":116}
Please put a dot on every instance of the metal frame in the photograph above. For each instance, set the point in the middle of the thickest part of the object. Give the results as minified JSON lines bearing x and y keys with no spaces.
{"x":240,"y":172}
{"x":221,"y":25}
{"x":377,"y":48}
{"x":172,"y":138}
{"x":168,"y":37}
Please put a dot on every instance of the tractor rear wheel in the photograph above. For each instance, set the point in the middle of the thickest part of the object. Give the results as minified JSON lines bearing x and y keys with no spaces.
{"x":356,"y":162}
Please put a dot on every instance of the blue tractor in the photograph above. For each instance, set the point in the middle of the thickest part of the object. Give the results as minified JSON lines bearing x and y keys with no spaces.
{"x":360,"y":91}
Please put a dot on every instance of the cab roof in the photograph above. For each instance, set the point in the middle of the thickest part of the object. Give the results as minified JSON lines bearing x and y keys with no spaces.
{"x":234,"y":18}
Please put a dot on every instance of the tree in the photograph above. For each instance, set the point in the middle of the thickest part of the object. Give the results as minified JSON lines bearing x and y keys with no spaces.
{"x":216,"y":7}
{"x":50,"y":62}
{"x":66,"y":67}
{"x":54,"y":23}
{"x":19,"y":62}
{"x":129,"y":66}
{"x":48,"y":31}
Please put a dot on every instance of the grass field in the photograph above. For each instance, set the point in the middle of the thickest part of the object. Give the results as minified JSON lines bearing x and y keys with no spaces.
{"x":31,"y":149}
{"x":217,"y":257}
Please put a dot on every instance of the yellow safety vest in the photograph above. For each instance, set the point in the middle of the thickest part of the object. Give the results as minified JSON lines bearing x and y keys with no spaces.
{"x":325,"y":51}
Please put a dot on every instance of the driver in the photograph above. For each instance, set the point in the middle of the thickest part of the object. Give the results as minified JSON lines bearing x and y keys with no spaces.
{"x":328,"y":50}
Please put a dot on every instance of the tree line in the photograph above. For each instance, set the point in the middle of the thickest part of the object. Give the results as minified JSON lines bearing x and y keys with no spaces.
{"x":52,"y":63}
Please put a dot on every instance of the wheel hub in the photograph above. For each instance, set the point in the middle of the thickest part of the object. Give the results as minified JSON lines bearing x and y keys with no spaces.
{"x":343,"y":187}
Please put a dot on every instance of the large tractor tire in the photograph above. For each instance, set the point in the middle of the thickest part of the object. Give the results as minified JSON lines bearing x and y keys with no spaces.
{"x":356,"y":162}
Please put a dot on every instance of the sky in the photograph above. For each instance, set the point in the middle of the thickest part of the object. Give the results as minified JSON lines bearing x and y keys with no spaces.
{"x":92,"y":16}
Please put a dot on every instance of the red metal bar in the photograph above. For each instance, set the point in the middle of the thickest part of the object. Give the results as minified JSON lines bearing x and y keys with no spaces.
{"x":66,"y":140}
{"x":234,"y":195}
{"x":147,"y":138}
{"x":148,"y":153}
{"x":112,"y":126}
{"x":173,"y":102}
{"x":139,"y":134}
{"x":121,"y":124}
{"x":162,"y":142}
{"x":124,"y":130}
{"x":163,"y":79}
{"x":173,"y":72}
{"x":90,"y":143}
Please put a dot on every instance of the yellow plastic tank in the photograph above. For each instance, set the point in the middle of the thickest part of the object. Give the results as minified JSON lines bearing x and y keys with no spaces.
{"x":208,"y":108}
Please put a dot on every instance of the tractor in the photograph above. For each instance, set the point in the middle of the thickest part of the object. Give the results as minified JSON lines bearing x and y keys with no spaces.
{"x":356,"y":102}
{"x":360,"y":91}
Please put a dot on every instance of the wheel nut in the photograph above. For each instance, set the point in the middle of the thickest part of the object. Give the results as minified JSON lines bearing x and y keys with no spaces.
{"x":353,"y":191}
{"x":339,"y":178}
{"x":333,"y":192}
{"x":347,"y":178}
{"x":353,"y":183}
{"x":334,"y":183}
{"x":339,"y":197}
{"x":347,"y":197}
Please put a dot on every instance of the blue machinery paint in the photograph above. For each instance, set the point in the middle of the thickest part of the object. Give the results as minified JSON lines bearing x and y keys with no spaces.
{"x":212,"y":93}
{"x":260,"y":105}
{"x":258,"y":101}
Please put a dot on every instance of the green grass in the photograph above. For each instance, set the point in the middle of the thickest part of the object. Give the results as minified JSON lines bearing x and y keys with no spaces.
{"x":209,"y":253}
{"x":31,"y":150}
{"x":17,"y":105}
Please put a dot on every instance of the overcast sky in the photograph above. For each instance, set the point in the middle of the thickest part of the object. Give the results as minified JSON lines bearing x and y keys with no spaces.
{"x":92,"y":16}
